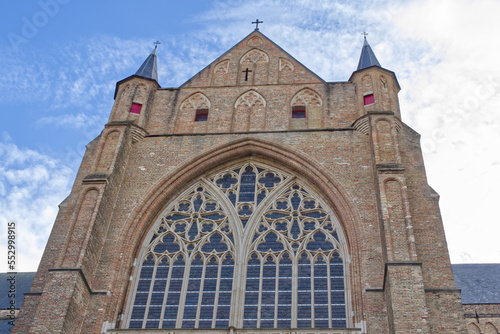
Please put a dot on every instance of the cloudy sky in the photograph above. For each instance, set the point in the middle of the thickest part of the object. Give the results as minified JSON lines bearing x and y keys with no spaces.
{"x":60,"y":61}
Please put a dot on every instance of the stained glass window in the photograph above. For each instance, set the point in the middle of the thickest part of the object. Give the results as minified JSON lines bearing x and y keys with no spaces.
{"x":249,"y":240}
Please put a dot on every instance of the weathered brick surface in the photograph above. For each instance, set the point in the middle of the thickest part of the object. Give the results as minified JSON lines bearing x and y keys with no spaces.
{"x":363,"y":160}
{"x":482,"y":318}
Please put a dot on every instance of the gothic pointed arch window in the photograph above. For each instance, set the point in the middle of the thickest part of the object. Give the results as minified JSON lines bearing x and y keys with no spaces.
{"x":248,"y":246}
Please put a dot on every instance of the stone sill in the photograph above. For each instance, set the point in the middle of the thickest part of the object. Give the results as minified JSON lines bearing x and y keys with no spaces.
{"x":236,"y":331}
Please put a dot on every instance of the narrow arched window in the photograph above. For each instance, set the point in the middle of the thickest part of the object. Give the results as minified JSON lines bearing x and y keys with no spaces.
{"x":249,"y":246}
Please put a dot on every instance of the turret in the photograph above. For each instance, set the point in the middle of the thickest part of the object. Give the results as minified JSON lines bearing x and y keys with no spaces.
{"x":376,"y":88}
{"x":134,"y":95}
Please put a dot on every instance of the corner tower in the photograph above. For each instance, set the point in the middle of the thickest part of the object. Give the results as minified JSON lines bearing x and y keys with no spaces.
{"x":377,"y":87}
{"x":254,"y":197}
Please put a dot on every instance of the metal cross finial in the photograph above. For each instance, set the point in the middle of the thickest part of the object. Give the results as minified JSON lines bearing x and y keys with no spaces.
{"x":364,"y":34}
{"x":257,"y":24}
{"x":156,"y":44}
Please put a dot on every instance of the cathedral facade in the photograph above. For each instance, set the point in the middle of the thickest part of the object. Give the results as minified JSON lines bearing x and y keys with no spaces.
{"x":254,"y":198}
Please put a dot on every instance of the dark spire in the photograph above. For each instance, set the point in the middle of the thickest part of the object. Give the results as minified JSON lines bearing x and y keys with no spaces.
{"x":367,"y":57}
{"x":149,"y":68}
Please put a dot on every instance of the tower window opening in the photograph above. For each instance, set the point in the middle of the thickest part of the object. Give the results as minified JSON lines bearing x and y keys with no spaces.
{"x":135,"y":108}
{"x":201,"y":115}
{"x":369,"y":99}
{"x":299,"y":112}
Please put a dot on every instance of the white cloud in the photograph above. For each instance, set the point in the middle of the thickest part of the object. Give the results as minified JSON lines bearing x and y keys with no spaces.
{"x":453,"y":103}
{"x":79,"y":121}
{"x":31,"y":185}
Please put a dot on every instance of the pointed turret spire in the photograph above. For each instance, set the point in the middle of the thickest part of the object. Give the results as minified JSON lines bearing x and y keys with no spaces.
{"x":149,"y":68}
{"x":367,"y":57}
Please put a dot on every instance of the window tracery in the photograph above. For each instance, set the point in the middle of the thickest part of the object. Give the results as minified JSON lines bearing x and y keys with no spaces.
{"x":254,"y":56}
{"x":196,"y":101}
{"x":220,"y":74}
{"x":191,"y":257}
{"x":296,"y":230}
{"x":306,"y":97}
{"x":287,"y":245}
{"x":250,"y":99}
{"x":286,"y":65}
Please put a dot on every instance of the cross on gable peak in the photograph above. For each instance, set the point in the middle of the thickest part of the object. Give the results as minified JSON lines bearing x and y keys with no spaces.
{"x":257,"y":24}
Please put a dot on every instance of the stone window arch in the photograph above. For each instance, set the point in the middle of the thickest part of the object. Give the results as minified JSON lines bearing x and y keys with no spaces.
{"x":307,"y":97}
{"x":196,"y":101}
{"x":248,"y":246}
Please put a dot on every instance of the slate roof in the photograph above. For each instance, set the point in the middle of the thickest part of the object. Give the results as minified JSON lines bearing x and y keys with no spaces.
{"x":5,"y":328}
{"x":367,"y":58}
{"x":479,"y":282}
{"x":23,"y":284}
{"x":149,"y":68}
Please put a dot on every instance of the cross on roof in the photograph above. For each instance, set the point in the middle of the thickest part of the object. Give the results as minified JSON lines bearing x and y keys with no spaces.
{"x":257,"y":24}
{"x":156,"y":44}
{"x":364,"y":34}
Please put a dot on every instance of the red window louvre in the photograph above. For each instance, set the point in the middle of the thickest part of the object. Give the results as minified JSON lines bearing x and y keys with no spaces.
{"x":369,"y":99}
{"x":299,"y":112}
{"x":201,"y":115}
{"x":136,"y":108}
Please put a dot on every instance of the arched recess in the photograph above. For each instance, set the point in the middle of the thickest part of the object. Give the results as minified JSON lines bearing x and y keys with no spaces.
{"x":187,"y":113}
{"x":490,"y":329}
{"x":257,"y":218}
{"x":385,"y":137}
{"x":254,"y":68}
{"x":473,"y":329}
{"x":107,"y":151}
{"x":312,"y":104}
{"x":152,"y":204}
{"x":249,"y":112}
{"x":220,"y":74}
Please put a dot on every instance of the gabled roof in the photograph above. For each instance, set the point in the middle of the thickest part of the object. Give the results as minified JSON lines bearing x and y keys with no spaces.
{"x":479,"y":282}
{"x":254,"y":33}
{"x":367,"y":58}
{"x":149,"y":68}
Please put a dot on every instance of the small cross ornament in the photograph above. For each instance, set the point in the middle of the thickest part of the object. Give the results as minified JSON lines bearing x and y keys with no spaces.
{"x":257,"y":24}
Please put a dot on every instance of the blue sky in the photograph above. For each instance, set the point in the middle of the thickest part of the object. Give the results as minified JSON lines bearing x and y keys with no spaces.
{"x":61,"y":59}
